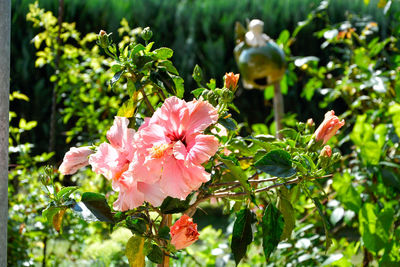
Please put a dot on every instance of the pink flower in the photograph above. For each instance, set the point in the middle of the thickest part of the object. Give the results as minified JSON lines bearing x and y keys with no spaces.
{"x":184,"y":232}
{"x":75,"y":159}
{"x":328,"y":127}
{"x":171,"y":146}
{"x":114,"y":162}
{"x":326,"y":152}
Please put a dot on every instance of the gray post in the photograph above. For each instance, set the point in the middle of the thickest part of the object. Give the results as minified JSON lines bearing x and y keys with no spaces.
{"x":5,"y":33}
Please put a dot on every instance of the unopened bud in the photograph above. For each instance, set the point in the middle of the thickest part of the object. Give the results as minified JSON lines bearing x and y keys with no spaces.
{"x":326,"y":152}
{"x":103,"y":39}
{"x":310,"y":122}
{"x":146,"y":34}
{"x":231,"y":81}
{"x":227,"y":95}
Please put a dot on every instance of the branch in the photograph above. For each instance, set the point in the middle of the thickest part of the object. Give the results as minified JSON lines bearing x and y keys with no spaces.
{"x":222,"y":194}
{"x":146,"y":99}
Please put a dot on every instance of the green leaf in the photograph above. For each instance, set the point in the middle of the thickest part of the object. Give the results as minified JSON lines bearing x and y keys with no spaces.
{"x":137,"y":49}
{"x":276,"y":163}
{"x":134,"y":251}
{"x":237,"y":172}
{"x":325,"y":222}
{"x":346,"y":193}
{"x":164,"y":233}
{"x":179,"y":86}
{"x":65,"y":192}
{"x":286,"y":209}
{"x":228,"y":123}
{"x":155,"y":255}
{"x":242,"y":234}
{"x":172,"y":205}
{"x":197,"y":92}
{"x":49,"y":212}
{"x":374,"y":227}
{"x":127,"y":109}
{"x":163,"y":53}
{"x":136,"y":223}
{"x":272,"y":227}
{"x":168,"y":66}
{"x":116,"y":77}
{"x":97,"y":205}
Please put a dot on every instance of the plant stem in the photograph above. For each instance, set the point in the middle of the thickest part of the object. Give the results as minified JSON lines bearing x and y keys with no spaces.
{"x":166,"y":221}
{"x":146,"y":100}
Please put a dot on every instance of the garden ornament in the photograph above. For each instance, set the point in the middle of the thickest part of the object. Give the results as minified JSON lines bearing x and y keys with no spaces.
{"x":261,"y":62}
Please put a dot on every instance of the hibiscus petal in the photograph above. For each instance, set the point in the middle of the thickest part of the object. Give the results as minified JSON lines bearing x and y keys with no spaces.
{"x":119,"y":134}
{"x":108,"y":162}
{"x":173,"y":116}
{"x":179,"y":151}
{"x":201,"y":115}
{"x":179,"y":179}
{"x":201,"y":147}
{"x":152,"y":193}
{"x":128,"y":199}
{"x":75,"y":159}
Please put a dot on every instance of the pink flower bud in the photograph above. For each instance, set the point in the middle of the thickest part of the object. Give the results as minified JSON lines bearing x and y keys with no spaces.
{"x":326,"y":152}
{"x":328,"y":127}
{"x":184,"y":232}
{"x":231,"y":81}
{"x":75,"y":159}
{"x":310,"y":122}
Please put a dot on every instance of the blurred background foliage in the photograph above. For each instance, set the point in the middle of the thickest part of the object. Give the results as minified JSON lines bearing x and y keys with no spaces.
{"x":345,"y":57}
{"x":201,"y":32}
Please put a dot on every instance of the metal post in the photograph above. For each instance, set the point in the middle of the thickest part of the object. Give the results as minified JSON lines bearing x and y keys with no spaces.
{"x":5,"y":33}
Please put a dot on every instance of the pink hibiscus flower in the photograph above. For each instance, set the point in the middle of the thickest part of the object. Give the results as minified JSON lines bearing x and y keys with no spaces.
{"x":113,"y":160}
{"x":171,"y":146}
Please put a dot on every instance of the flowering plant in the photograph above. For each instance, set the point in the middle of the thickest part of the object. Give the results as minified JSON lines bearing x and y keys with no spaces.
{"x":184,"y":153}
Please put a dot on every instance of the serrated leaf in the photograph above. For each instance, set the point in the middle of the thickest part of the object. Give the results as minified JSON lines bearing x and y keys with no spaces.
{"x":116,"y":77}
{"x":97,"y":205}
{"x":172,"y":205}
{"x":272,"y":226}
{"x":155,"y":255}
{"x":242,"y":234}
{"x":276,"y":163}
{"x":134,"y":251}
{"x":65,"y":192}
{"x":163,"y":53}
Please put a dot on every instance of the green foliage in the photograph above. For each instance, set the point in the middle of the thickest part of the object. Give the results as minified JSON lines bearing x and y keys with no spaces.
{"x":277,"y":163}
{"x":242,"y":234}
{"x":272,"y":226}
